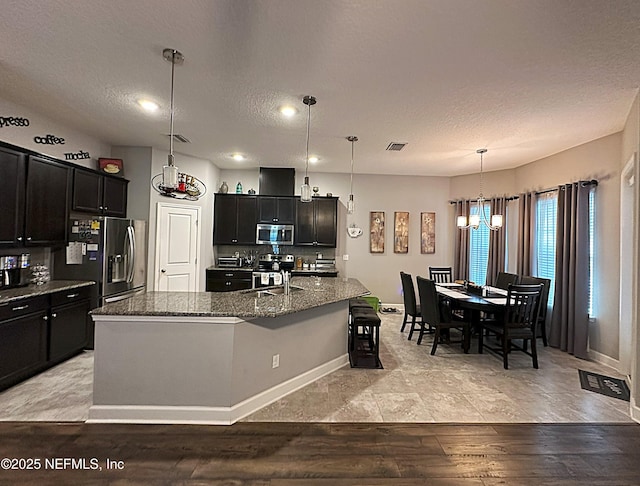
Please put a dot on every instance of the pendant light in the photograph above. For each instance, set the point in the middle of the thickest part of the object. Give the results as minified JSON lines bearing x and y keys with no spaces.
{"x":476,"y":219}
{"x":305,"y":190}
{"x":350,"y":203}
{"x":170,"y":171}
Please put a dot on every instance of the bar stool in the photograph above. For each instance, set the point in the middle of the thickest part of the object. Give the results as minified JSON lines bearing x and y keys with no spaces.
{"x":364,"y":333}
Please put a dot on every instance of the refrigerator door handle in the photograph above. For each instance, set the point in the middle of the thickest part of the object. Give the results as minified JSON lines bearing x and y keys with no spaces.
{"x":131,"y":250}
{"x":117,"y":298}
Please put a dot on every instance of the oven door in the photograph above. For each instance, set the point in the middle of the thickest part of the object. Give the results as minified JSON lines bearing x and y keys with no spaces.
{"x":274,"y":234}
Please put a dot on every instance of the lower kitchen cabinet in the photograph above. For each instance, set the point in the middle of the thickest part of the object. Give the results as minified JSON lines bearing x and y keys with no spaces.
{"x":39,"y":332}
{"x":23,"y":339}
{"x":228,"y":280}
{"x":67,"y":330}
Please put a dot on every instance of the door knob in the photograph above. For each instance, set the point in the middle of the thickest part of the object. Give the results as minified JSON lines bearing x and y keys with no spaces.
{"x":163,"y":271}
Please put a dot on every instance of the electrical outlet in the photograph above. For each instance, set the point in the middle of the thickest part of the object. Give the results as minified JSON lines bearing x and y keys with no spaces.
{"x":275,"y":361}
{"x":345,"y":257}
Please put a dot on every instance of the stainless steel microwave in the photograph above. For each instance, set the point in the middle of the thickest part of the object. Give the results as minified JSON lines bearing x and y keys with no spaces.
{"x":274,"y":234}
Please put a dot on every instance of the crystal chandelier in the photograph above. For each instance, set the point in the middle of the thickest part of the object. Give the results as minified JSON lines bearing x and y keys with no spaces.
{"x":476,"y":219}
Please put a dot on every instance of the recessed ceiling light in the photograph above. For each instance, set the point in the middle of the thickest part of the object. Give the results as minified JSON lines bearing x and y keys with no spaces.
{"x":288,"y":111}
{"x":313,"y":159}
{"x":238,"y":157}
{"x":148,"y":105}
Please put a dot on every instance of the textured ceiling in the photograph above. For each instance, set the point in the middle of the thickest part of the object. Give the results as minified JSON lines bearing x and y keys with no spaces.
{"x":525,"y":79}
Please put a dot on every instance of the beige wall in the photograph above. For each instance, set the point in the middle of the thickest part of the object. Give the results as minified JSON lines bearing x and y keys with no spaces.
{"x":599,"y":159}
{"x":209,"y":175}
{"x":631,"y":147}
{"x":41,"y":126}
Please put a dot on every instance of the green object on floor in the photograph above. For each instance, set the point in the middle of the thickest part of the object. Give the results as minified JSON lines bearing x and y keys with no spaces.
{"x":373,"y":301}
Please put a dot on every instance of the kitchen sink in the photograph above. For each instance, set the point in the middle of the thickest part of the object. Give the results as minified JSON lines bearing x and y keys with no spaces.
{"x":276,"y":291}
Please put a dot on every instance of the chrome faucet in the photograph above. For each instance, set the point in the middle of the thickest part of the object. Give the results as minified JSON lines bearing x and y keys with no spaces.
{"x":285,"y":280}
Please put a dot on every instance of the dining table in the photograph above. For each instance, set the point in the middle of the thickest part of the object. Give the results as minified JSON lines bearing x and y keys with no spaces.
{"x":474,"y":302}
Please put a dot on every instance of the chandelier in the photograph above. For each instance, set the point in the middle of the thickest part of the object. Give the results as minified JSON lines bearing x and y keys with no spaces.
{"x":476,"y":219}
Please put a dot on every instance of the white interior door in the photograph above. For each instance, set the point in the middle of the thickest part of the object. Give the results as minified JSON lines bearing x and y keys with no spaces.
{"x":177,"y":251}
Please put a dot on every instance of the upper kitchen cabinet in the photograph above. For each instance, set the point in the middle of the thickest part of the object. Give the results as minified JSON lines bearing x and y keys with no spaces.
{"x":234,"y":219}
{"x":276,"y":210}
{"x":317,"y":222}
{"x":99,"y":194}
{"x":46,"y":202}
{"x":12,"y":173}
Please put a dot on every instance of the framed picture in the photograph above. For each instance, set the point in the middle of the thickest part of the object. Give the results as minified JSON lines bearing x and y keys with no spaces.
{"x":401,"y":232}
{"x":376,"y":232}
{"x":110,"y":166}
{"x":428,"y":232}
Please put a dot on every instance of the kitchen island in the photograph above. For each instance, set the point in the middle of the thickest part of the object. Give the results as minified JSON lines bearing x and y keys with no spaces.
{"x":215,"y":357}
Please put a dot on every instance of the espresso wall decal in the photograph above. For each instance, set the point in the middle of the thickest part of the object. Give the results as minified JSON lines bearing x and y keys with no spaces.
{"x":13,"y":121}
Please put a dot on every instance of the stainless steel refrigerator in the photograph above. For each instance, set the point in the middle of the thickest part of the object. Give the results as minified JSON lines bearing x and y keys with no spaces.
{"x":110,"y":251}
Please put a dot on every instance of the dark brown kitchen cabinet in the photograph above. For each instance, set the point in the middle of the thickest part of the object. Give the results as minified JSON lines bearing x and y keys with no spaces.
{"x":46,"y":202}
{"x":68,"y":323}
{"x":234,"y":219}
{"x":23,"y":339}
{"x":279,"y":210}
{"x":12,"y":174}
{"x":227,"y":280}
{"x":96,"y":193}
{"x":316,"y":222}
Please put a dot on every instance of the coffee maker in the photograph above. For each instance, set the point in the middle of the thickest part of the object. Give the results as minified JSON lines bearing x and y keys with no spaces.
{"x":15,"y":270}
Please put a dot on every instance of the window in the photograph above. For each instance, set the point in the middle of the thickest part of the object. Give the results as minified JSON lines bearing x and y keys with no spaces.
{"x":592,"y":232}
{"x":546,"y":221}
{"x":479,"y":247}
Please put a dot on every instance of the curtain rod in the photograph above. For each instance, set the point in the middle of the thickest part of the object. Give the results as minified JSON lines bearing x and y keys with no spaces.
{"x":509,"y":198}
{"x":592,"y":182}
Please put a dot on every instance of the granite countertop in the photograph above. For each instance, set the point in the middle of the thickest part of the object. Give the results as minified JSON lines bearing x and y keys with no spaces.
{"x":241,"y":303}
{"x":50,"y":287}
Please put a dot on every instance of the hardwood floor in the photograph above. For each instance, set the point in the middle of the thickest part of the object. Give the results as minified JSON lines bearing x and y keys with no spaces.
{"x":314,"y":454}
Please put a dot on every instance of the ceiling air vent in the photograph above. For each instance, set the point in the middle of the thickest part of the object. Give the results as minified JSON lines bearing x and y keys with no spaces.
{"x":179,"y":138}
{"x":396,"y":146}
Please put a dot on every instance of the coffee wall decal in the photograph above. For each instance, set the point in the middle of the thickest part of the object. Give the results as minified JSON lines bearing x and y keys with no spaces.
{"x":49,"y":140}
{"x":13,"y":121}
{"x":76,"y":155}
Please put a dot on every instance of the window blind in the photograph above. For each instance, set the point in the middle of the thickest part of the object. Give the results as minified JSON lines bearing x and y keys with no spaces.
{"x":479,"y":247}
{"x":592,"y":236}
{"x":546,"y":221}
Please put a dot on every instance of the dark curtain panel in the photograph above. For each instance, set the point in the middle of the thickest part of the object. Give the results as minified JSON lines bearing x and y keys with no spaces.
{"x":497,"y":241}
{"x":526,"y":222}
{"x":461,"y":244}
{"x":570,"y":322}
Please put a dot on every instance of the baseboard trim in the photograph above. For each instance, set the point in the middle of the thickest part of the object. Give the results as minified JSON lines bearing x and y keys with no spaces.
{"x":152,"y":414}
{"x":634,"y":411}
{"x":603,"y":359}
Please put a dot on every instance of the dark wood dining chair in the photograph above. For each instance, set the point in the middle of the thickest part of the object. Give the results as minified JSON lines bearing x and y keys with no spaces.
{"x":519,"y":322}
{"x":411,"y":307}
{"x":504,"y":279}
{"x":541,"y":330}
{"x":441,"y":274}
{"x":438,"y":317}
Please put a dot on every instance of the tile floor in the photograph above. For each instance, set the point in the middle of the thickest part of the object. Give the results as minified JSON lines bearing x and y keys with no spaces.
{"x":413,"y":387}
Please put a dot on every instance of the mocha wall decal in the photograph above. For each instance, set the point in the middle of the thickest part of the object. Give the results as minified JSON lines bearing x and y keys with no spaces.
{"x":13,"y":121}
{"x":49,"y":140}
{"x":76,"y":155}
